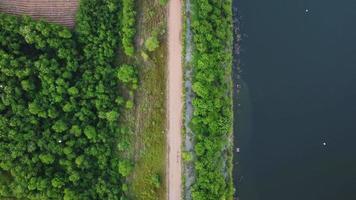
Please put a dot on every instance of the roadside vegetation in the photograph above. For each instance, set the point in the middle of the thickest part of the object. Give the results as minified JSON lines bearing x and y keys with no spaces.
{"x":62,"y":97}
{"x":146,"y":121}
{"x":212,"y":102}
{"x":128,"y":24}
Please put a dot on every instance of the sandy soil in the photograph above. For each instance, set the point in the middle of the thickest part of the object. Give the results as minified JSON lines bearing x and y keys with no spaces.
{"x":175,"y":99}
{"x":57,"y":11}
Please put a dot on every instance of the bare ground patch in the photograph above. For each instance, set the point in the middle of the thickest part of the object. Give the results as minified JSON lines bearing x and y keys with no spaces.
{"x":56,"y":11}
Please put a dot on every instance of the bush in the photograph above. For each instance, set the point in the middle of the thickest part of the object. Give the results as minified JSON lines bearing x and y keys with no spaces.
{"x":128,"y":75}
{"x":187,"y":156}
{"x":152,"y":43}
{"x":156,"y":181}
{"x":144,"y":56}
{"x":125,"y":168}
{"x":163,"y":2}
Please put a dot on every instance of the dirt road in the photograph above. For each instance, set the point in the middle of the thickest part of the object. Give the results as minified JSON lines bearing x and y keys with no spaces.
{"x":175,"y":100}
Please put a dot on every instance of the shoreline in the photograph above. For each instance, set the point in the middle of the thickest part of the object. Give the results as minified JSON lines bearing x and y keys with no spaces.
{"x":236,"y":92}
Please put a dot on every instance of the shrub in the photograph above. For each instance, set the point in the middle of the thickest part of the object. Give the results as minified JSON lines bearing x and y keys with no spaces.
{"x":128,"y":75}
{"x":163,"y":2}
{"x":144,"y":56}
{"x":129,"y":104}
{"x":187,"y":156}
{"x":152,"y":43}
{"x":156,"y":181}
{"x":125,"y":168}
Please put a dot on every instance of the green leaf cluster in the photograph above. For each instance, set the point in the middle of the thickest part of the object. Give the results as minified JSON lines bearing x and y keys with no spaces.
{"x":152,"y":43}
{"x":59,"y":106}
{"x":128,"y":75}
{"x":212,"y":117}
{"x":128,"y":23}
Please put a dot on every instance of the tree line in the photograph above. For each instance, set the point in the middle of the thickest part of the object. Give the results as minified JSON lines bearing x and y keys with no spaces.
{"x":60,"y":104}
{"x":212,"y":116}
{"x":128,"y":26}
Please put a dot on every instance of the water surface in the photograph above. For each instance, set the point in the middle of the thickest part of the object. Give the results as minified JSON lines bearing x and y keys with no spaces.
{"x":299,"y":67}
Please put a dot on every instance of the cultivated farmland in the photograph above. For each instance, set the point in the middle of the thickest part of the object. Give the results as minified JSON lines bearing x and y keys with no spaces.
{"x":57,"y":11}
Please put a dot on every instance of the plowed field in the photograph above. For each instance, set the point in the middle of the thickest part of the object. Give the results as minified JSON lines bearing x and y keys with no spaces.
{"x":57,"y":11}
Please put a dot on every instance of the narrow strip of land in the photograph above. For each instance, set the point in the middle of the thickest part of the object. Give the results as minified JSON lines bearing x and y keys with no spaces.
{"x":175,"y":101}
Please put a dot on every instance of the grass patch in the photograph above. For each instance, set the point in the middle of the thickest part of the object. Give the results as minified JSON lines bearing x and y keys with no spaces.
{"x":147,"y":120}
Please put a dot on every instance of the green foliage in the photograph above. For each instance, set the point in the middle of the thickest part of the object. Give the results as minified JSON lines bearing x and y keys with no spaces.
{"x":156,"y":180}
{"x":163,"y":2}
{"x":34,"y":108}
{"x":97,"y":32}
{"x":129,"y":104}
{"x":112,"y":116}
{"x":90,"y":132}
{"x":46,"y":158}
{"x":128,"y":75}
{"x":187,"y":156}
{"x":73,"y":91}
{"x":212,"y":117}
{"x":144,"y":56}
{"x":65,"y":33}
{"x":128,"y":26}
{"x":152,"y":43}
{"x":59,"y":102}
{"x":59,"y":126}
{"x":57,"y":183}
{"x":125,"y":167}
{"x":75,"y":130}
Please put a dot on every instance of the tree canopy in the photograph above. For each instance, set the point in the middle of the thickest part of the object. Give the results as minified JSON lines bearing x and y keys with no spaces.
{"x":212,"y":118}
{"x":60,"y":103}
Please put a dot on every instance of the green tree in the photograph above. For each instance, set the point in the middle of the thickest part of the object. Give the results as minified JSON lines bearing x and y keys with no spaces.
{"x":156,"y":180}
{"x":59,"y":126}
{"x":46,"y":158}
{"x":57,"y":183}
{"x":128,"y":75}
{"x":128,"y":26}
{"x":125,"y":168}
{"x":90,"y":132}
{"x":112,"y":116}
{"x":73,"y":91}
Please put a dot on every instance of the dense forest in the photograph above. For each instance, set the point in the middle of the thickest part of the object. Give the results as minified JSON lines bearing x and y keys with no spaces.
{"x":60,"y":103}
{"x":212,"y":117}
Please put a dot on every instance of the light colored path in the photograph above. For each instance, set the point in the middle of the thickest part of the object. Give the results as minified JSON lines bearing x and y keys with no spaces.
{"x":175,"y":99}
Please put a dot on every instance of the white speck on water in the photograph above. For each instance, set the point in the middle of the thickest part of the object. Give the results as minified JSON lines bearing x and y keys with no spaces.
{"x":306,"y":10}
{"x":324,"y":143}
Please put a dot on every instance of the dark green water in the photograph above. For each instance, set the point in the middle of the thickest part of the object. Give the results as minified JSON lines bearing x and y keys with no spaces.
{"x":299,"y":70}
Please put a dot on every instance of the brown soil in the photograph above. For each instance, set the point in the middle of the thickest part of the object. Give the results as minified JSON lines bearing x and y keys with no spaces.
{"x":175,"y":99}
{"x":57,"y":11}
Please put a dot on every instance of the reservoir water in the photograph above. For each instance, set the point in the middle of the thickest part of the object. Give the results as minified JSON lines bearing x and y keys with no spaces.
{"x":296,"y":124}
